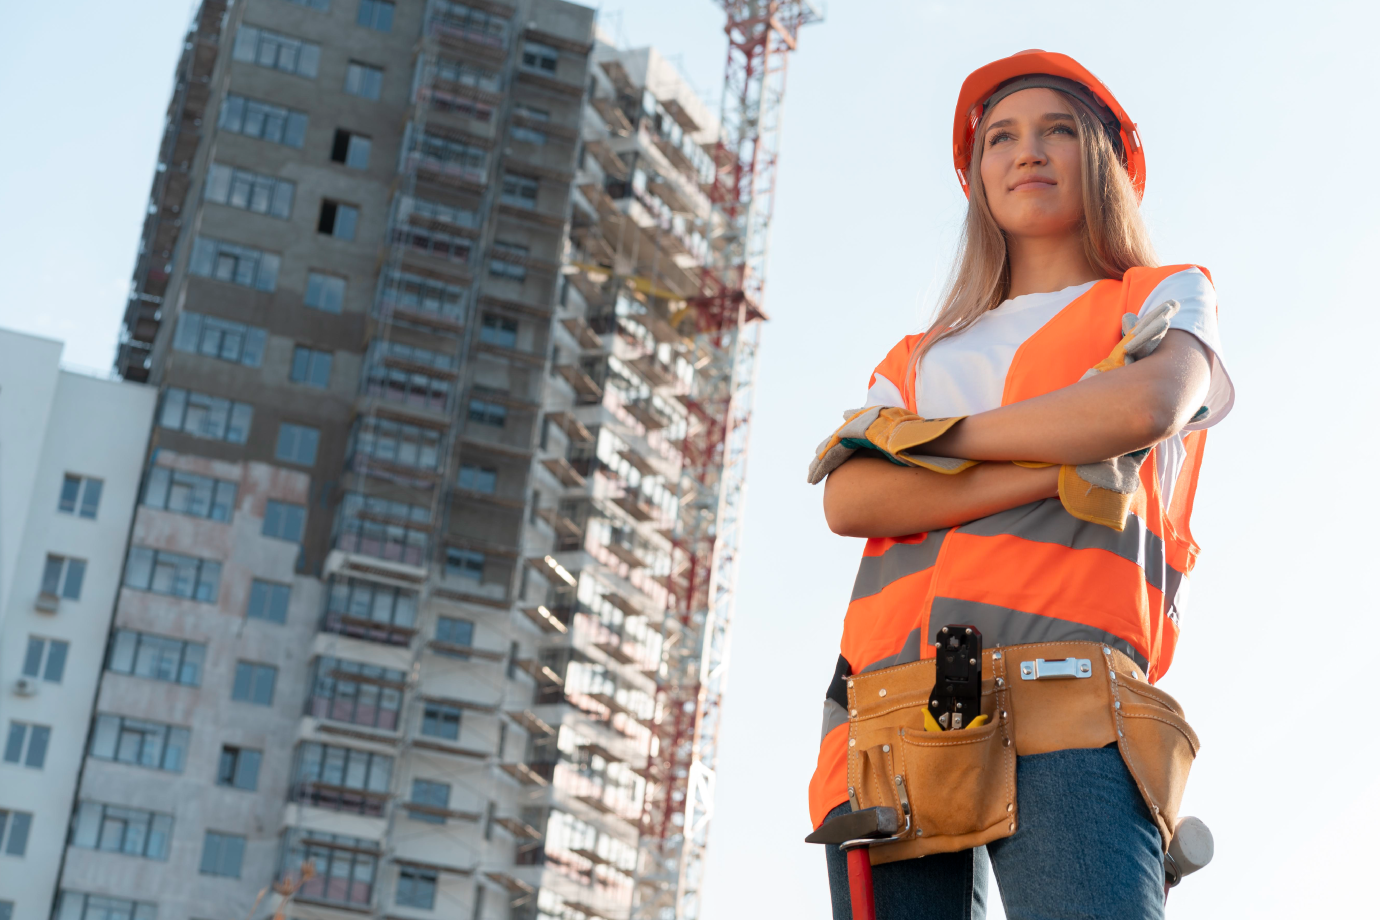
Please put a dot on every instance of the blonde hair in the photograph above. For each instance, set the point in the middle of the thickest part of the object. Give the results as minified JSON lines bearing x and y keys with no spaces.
{"x":1114,"y":235}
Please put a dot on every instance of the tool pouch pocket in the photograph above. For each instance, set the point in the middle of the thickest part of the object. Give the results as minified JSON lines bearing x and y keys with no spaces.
{"x":957,"y":787}
{"x":1158,"y":746}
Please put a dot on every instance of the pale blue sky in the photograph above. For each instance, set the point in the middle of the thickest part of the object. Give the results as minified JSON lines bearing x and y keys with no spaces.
{"x":1260,"y":139}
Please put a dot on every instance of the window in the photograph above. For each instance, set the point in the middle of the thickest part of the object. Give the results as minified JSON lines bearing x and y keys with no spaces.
{"x":222,"y":854}
{"x":254,"y":683}
{"x":441,"y":721}
{"x":376,"y":15}
{"x":281,"y":52}
{"x":342,"y":779}
{"x":477,"y":25}
{"x":284,"y":521}
{"x":455,"y":631}
{"x":64,"y":576}
{"x":268,"y":601}
{"x":338,"y":220}
{"x":424,"y":295}
{"x":403,"y":384}
{"x":264,"y":120}
{"x":478,"y":478}
{"x":135,"y":741}
{"x":468,"y":74}
{"x":220,"y":338}
{"x":249,"y":191}
{"x":6,"y":910}
{"x":398,"y":443}
{"x":361,"y":694}
{"x":468,"y":161}
{"x":205,"y":416}
{"x":168,"y":489}
{"x":242,"y":265}
{"x":465,"y":563}
{"x":487,"y":413}
{"x":416,"y":887}
{"x":498,"y":330}
{"x":350,"y":148}
{"x":325,"y":292}
{"x":320,"y":5}
{"x":297,"y":444}
{"x":311,"y":367}
{"x":433,"y":242}
{"x":14,"y":832}
{"x":27,"y":744}
{"x":156,"y":657}
{"x":345,"y":866}
{"x":162,"y":572}
{"x":508,"y":260}
{"x":239,"y":767}
{"x":46,"y":658}
{"x":361,"y":529}
{"x":363,"y":80}
{"x":81,"y":495}
{"x":77,"y":905}
{"x":520,"y":190}
{"x":369,"y":611}
{"x":435,"y":210}
{"x":536,"y":56}
{"x":115,"y":829}
{"x":435,"y":795}
{"x":527,"y":135}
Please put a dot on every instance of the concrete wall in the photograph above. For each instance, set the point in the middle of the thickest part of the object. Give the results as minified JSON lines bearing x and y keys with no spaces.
{"x":54,"y":422}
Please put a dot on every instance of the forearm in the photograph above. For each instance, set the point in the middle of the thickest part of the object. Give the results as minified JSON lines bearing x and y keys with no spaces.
{"x":872,"y":497}
{"x":1105,"y":416}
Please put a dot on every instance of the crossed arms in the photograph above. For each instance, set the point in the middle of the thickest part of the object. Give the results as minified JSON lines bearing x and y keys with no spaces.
{"x":1106,"y":416}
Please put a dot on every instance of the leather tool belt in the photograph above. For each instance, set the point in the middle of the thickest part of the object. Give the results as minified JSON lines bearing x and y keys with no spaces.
{"x":959,"y":787}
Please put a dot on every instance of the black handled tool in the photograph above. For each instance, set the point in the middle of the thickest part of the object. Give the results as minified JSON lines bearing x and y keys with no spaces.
{"x":956,"y":698}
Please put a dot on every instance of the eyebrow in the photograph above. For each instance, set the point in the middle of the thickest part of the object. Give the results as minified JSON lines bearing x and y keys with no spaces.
{"x":1049,"y":116}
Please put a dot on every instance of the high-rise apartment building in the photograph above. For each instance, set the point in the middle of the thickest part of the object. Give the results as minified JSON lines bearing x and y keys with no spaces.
{"x":71,"y":451}
{"x":411,"y":292}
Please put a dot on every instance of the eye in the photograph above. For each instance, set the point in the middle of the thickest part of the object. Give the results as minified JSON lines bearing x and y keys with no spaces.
{"x":999,"y":136}
{"x":1063,"y":129}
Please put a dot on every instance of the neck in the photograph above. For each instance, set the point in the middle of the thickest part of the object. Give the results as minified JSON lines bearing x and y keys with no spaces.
{"x":1043,"y":264}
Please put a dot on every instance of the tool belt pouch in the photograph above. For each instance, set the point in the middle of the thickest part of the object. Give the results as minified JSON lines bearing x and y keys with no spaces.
{"x":959,"y":786}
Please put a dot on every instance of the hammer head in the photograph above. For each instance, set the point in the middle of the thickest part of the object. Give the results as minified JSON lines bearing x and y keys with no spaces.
{"x":853,"y":825}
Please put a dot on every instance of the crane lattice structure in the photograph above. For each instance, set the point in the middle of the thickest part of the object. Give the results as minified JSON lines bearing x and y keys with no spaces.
{"x":726,"y":319}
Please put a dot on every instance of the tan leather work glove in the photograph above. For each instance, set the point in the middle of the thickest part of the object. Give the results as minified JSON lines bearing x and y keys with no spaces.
{"x":895,"y":433}
{"x":1101,"y":493}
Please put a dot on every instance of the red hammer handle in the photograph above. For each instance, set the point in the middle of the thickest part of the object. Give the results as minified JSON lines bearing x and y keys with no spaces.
{"x":860,"y":884}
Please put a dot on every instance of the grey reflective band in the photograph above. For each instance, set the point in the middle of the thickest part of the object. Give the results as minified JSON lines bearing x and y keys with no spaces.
{"x":1016,"y":627}
{"x":900,"y":560}
{"x":834,"y":716}
{"x":1073,"y":88}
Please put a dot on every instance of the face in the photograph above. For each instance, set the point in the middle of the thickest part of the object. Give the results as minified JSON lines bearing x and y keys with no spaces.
{"x":1032,"y":165}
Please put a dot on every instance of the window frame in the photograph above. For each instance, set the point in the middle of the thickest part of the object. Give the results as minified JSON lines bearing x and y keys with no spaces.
{"x":81,"y":500}
{"x":171,"y":747}
{"x":157,"y":826}
{"x":220,"y":494}
{"x":237,"y":760}
{"x":188,"y":669}
{"x":28,"y":742}
{"x":364,"y":77}
{"x":15,"y":827}
{"x":248,"y":683}
{"x":40,"y":666}
{"x":205,"y":581}
{"x":220,"y":849}
{"x":270,"y":593}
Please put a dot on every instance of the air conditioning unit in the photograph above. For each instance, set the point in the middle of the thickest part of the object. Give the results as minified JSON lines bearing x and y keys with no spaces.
{"x":47,"y":602}
{"x":25,"y":686}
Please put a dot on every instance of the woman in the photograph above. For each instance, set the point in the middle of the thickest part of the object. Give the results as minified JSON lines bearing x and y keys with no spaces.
{"x":1054,"y":254}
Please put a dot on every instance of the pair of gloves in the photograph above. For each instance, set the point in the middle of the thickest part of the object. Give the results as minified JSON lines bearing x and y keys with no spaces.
{"x":1100,"y":493}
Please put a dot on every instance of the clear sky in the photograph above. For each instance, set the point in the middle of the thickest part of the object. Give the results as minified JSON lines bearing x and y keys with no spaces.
{"x":1260,"y":133}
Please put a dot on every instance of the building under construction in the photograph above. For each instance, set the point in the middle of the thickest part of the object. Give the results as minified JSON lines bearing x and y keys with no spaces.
{"x":452,"y":308}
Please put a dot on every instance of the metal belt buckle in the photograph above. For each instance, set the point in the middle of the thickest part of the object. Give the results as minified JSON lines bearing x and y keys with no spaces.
{"x":1056,"y":669}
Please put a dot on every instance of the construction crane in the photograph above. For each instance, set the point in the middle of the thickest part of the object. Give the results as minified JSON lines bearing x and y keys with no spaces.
{"x":726,"y":319}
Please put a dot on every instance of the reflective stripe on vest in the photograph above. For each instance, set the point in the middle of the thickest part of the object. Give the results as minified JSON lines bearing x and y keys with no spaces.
{"x":1033,"y":573}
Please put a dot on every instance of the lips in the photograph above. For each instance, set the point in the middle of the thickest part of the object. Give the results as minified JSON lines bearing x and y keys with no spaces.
{"x":1033,"y":182}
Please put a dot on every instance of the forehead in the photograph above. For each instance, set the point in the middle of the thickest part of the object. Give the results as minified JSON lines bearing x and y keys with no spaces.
{"x":1035,"y":102}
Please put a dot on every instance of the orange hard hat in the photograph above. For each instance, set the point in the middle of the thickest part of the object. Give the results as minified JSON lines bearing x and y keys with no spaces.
{"x":1029,"y":69}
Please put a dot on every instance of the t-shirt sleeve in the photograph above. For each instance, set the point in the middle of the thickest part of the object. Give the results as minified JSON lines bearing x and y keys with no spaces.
{"x":1198,"y":316}
{"x":886,"y":386}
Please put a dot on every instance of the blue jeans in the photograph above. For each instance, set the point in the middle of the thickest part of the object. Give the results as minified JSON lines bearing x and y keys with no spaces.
{"x":1085,"y":849}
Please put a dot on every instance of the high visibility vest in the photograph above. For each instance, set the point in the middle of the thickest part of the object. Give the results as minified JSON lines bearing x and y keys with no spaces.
{"x":1034,"y":573}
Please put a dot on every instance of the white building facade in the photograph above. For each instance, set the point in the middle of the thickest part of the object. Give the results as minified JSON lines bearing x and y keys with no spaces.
{"x":71,"y":451}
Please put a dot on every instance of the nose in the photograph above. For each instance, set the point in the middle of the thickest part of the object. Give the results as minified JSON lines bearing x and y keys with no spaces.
{"x":1031,"y":151}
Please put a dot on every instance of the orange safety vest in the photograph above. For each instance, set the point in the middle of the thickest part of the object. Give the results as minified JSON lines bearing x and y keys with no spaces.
{"x":1034,"y":573}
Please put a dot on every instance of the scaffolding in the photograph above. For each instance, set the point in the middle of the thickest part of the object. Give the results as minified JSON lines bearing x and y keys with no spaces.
{"x":725,"y":321}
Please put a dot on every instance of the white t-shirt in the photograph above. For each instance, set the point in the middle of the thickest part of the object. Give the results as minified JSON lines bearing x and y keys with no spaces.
{"x":966,"y":373}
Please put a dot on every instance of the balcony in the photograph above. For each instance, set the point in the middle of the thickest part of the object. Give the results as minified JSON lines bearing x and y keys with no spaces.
{"x":339,"y":798}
